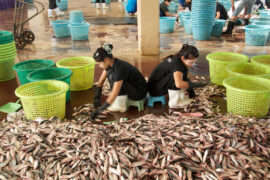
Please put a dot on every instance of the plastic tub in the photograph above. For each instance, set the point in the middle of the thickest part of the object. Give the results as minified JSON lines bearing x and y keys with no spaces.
{"x":61,"y":74}
{"x":6,"y":37}
{"x":202,"y":32}
{"x":24,"y":68}
{"x":247,"y":95}
{"x":43,"y":99}
{"x":62,"y":5}
{"x":79,"y":31}
{"x":261,"y":60}
{"x":166,"y":24}
{"x":76,"y":16}
{"x":218,"y":62}
{"x":182,"y":15}
{"x":60,"y":28}
{"x":83,"y":69}
{"x":173,"y":7}
{"x":247,"y":69}
{"x":256,"y":35}
{"x":188,"y":25}
{"x":6,"y":71}
{"x":218,"y":27}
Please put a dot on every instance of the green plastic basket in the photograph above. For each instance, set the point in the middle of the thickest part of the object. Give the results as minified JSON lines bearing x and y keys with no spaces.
{"x":24,"y":68}
{"x":6,"y":71}
{"x":60,"y":74}
{"x":218,"y":62}
{"x":83,"y":69}
{"x":247,"y":68}
{"x":248,"y":95}
{"x":6,"y":37}
{"x":261,"y":59}
{"x":43,"y":98}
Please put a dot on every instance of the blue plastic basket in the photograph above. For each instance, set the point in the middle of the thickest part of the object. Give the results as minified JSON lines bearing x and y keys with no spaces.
{"x":62,"y":5}
{"x":76,"y":16}
{"x":107,"y":1}
{"x":166,"y":24}
{"x":60,"y":28}
{"x":79,"y":31}
{"x":202,"y":32}
{"x":217,"y":28}
{"x":93,"y":1}
{"x":173,"y":7}
{"x":264,"y":13}
{"x":188,"y":25}
{"x":256,"y":35}
{"x":182,"y":15}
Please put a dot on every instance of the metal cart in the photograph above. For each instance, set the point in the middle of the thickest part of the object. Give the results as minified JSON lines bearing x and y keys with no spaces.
{"x":21,"y":36}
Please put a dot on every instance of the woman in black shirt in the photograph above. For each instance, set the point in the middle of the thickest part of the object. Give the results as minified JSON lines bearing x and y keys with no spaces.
{"x":170,"y":76}
{"x":125,"y":80}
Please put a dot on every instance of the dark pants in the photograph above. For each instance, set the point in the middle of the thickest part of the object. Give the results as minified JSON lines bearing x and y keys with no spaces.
{"x":161,"y":87}
{"x":100,"y":1}
{"x":133,"y":93}
{"x":52,"y":4}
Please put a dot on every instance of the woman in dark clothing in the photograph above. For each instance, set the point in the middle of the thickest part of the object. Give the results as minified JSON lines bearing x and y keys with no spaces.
{"x":125,"y":80}
{"x":170,"y":76}
{"x":221,"y":12}
{"x":163,"y":9}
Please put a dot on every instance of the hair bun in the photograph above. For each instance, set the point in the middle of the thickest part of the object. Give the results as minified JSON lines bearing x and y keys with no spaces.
{"x":108,"y":48}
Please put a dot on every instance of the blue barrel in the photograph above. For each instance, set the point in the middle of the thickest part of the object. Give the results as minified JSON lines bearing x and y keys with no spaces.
{"x":79,"y":31}
{"x":60,"y":28}
{"x":131,"y":6}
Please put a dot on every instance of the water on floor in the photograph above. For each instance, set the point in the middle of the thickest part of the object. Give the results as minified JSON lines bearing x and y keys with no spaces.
{"x":115,"y":26}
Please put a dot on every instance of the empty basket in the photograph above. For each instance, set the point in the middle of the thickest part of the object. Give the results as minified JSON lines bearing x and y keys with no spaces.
{"x":262,"y":60}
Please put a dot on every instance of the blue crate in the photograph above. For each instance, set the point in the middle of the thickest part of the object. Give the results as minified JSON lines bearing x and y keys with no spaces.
{"x":188,"y":25}
{"x":79,"y":31}
{"x":60,"y":28}
{"x":166,"y":24}
{"x":217,"y":28}
{"x":256,"y":35}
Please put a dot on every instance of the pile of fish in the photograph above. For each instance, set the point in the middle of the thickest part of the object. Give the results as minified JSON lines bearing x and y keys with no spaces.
{"x":172,"y":146}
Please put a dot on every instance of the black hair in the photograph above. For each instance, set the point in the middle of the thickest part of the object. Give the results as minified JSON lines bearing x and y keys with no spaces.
{"x":188,"y":51}
{"x":103,"y":52}
{"x":168,"y":0}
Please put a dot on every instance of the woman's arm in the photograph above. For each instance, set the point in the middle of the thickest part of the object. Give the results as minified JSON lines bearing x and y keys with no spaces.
{"x":115,"y":91}
{"x":102,"y":78}
{"x":178,"y":80}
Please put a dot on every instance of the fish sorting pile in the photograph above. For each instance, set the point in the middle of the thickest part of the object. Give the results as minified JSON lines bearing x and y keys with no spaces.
{"x":150,"y":147}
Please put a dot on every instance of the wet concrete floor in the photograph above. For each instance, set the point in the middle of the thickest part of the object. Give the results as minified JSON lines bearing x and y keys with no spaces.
{"x":125,"y":40}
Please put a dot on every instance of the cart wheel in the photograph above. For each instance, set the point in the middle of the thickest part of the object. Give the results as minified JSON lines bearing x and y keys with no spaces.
{"x":29,"y":36}
{"x":20,"y":42}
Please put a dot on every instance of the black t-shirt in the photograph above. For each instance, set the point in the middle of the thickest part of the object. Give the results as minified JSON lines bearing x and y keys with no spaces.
{"x":124,"y":71}
{"x":163,"y":9}
{"x":222,"y":10}
{"x":168,"y":66}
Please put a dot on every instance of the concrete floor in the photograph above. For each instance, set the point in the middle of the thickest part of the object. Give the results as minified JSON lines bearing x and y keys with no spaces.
{"x":124,"y":39}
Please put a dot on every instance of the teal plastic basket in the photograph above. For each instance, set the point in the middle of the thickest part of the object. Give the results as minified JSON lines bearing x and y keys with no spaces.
{"x":166,"y":24}
{"x":26,"y":67}
{"x":61,"y":74}
{"x":256,"y":35}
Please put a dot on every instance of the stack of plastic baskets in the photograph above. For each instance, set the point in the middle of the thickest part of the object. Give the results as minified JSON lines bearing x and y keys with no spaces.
{"x":76,"y":16}
{"x":203,"y":18}
{"x":173,"y":7}
{"x":260,"y":21}
{"x":256,"y":35}
{"x":247,"y":95}
{"x":263,"y":60}
{"x":62,"y":4}
{"x":7,"y":55}
{"x":218,"y":62}
{"x":26,"y":67}
{"x":188,"y":25}
{"x":60,"y":28}
{"x":218,"y":27}
{"x":43,"y":99}
{"x":183,"y":14}
{"x":83,"y":69}
{"x":248,"y":69}
{"x":60,"y":74}
{"x":166,"y":24}
{"x":264,"y":13}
